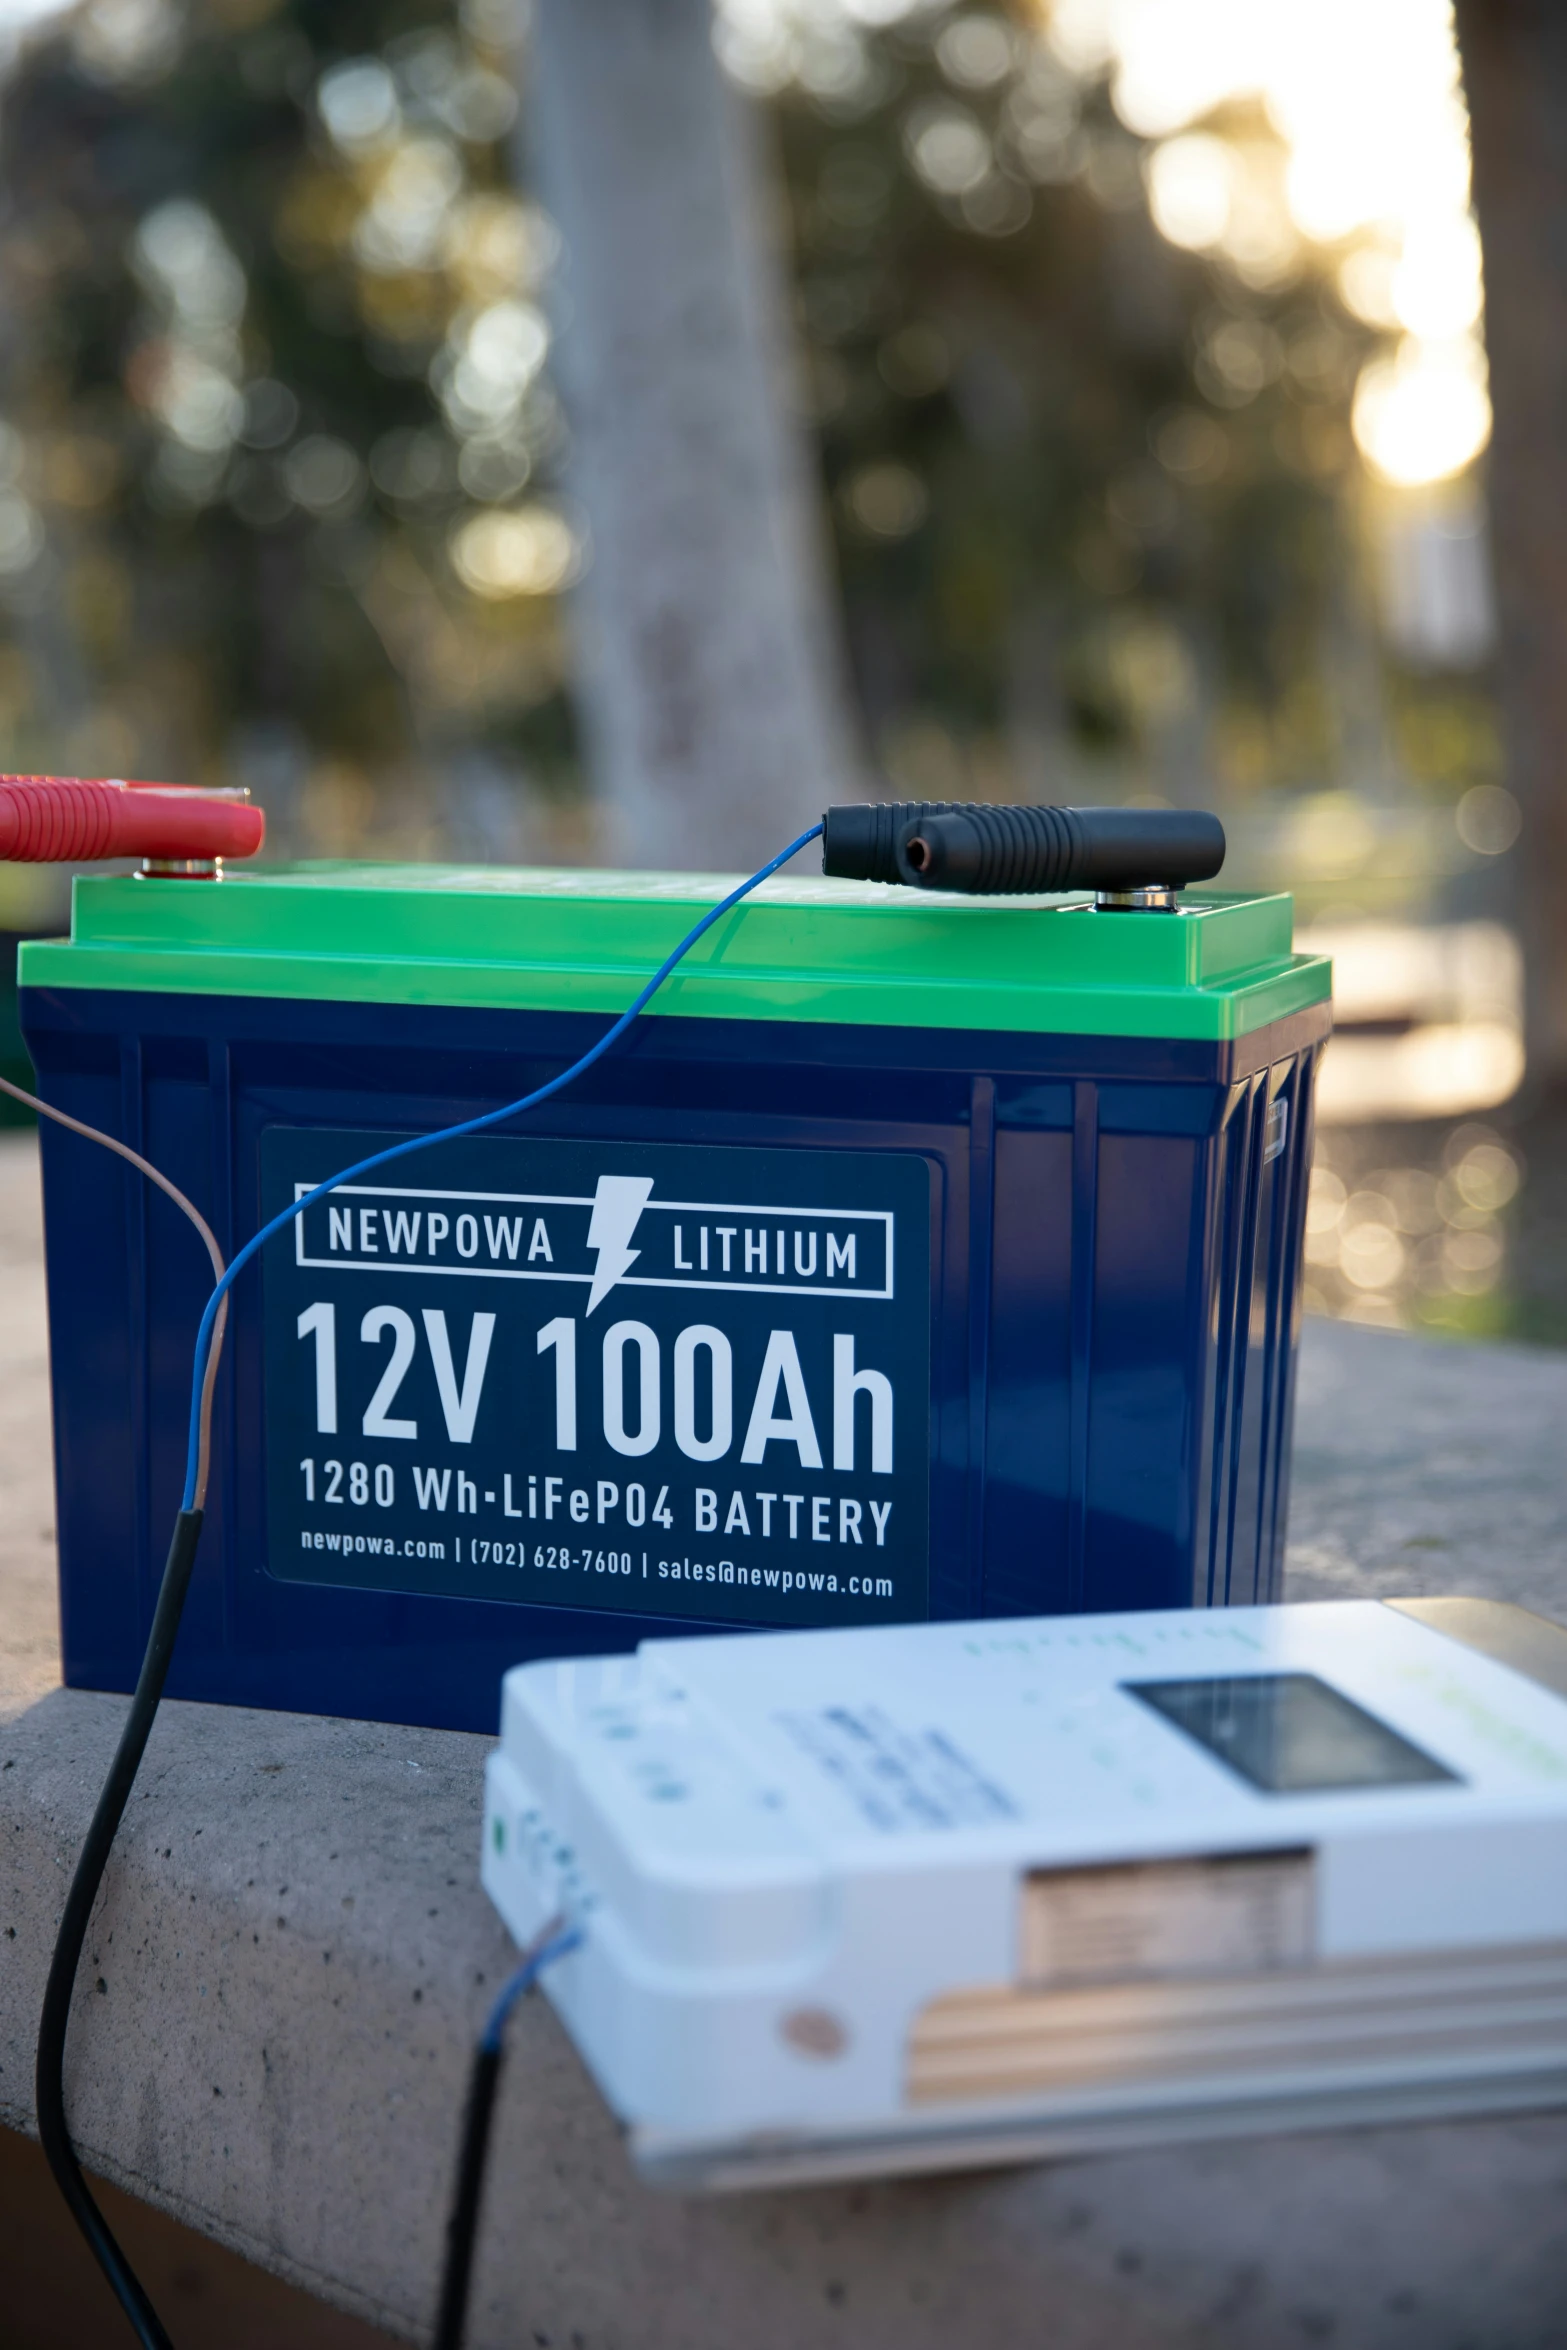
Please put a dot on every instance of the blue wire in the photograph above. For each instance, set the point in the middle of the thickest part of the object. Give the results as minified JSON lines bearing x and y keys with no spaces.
{"x":419,"y":1142}
{"x":523,"y":1980}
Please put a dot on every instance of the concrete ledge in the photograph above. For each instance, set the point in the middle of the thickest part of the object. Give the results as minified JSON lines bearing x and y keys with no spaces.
{"x":207,"y":2296}
{"x":292,"y":1955}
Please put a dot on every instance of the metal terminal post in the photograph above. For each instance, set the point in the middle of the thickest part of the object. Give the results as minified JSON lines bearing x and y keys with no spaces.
{"x":180,"y":869}
{"x":1155,"y":899}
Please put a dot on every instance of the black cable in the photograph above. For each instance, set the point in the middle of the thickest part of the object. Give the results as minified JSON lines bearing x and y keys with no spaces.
{"x":462,"y":2226}
{"x":53,"y":2130}
{"x":551,"y":1942}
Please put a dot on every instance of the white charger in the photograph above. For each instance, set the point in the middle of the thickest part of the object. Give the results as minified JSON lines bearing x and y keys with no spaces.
{"x":949,"y":1894}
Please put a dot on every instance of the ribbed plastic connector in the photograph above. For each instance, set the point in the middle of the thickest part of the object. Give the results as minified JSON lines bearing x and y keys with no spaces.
{"x":59,"y":820}
{"x":860,"y":839}
{"x":992,"y":852}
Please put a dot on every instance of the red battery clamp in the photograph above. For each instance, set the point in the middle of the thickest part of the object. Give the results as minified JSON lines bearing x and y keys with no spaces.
{"x":61,"y":820}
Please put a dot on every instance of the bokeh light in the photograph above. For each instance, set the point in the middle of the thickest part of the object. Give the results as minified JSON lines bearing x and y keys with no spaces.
{"x":1423,"y":414}
{"x":529,"y":551}
{"x":1367,"y":104}
{"x":1422,"y":1240}
{"x":1191,"y":189}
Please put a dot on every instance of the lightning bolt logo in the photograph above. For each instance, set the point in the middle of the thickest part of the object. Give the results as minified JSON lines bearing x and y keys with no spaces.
{"x":617,"y":1204}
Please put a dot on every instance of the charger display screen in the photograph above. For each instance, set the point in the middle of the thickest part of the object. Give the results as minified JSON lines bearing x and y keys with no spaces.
{"x":1290,"y":1733}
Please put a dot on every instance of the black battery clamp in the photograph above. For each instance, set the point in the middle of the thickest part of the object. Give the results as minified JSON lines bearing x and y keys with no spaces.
{"x":1133,"y":859}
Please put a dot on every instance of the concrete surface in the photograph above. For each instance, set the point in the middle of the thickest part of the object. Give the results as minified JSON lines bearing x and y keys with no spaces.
{"x":206,"y":2295}
{"x":292,"y":1954}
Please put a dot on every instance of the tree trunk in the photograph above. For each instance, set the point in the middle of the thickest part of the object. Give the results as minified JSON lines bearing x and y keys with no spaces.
{"x":707,"y":636}
{"x":1515,"y":74}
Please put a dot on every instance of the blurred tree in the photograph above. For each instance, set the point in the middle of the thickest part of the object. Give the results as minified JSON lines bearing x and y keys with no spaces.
{"x":709,"y":678}
{"x":1515,"y":74}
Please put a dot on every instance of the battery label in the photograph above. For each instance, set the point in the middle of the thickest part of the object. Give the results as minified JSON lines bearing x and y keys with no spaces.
{"x":658,"y":1378}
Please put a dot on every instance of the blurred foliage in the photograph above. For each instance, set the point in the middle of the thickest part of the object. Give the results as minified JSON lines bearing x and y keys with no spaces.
{"x":1099,"y":514}
{"x":1084,"y":486}
{"x":281,"y":465}
{"x":277,"y":421}
{"x":1416,"y":1227}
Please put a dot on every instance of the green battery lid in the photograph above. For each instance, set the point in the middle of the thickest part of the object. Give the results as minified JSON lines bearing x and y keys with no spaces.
{"x":799,"y":949}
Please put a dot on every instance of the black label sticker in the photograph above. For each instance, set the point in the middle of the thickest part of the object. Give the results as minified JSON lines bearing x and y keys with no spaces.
{"x":664,"y":1379}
